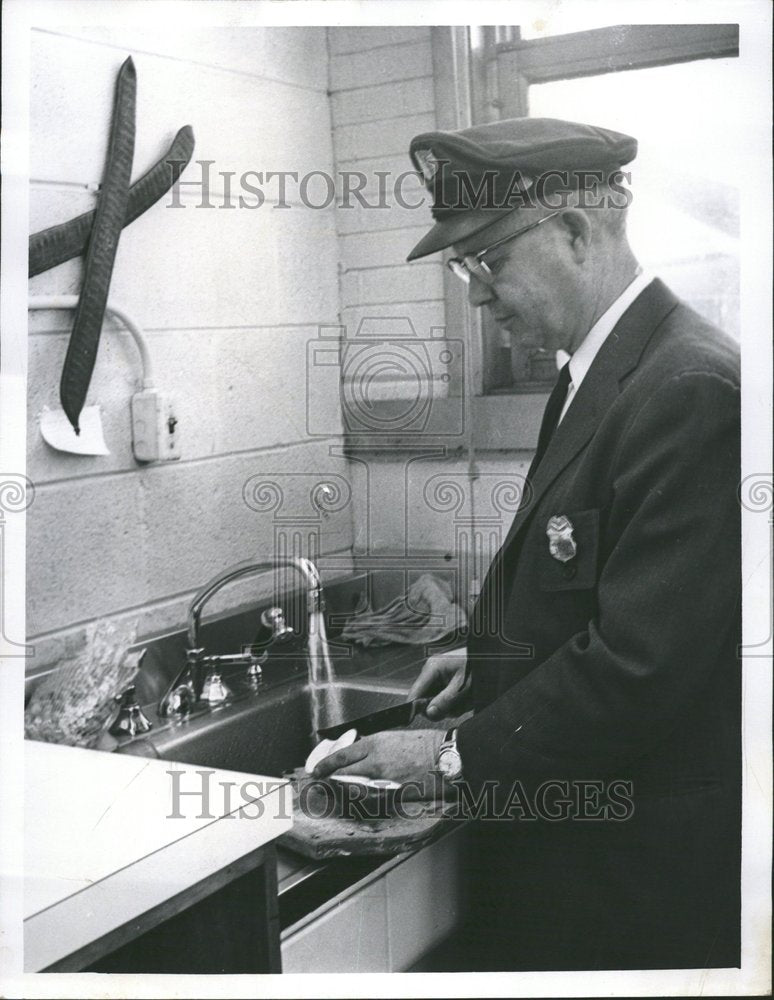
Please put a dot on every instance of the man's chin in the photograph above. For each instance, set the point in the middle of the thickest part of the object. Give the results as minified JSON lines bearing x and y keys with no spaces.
{"x":524,"y":337}
{"x":512,"y":325}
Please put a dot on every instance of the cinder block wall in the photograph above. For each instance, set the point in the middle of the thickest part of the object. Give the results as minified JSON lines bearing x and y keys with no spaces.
{"x":382,"y":93}
{"x":229,"y":301}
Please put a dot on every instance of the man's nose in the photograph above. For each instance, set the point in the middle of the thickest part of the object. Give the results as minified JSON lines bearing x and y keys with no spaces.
{"x":479,"y":293}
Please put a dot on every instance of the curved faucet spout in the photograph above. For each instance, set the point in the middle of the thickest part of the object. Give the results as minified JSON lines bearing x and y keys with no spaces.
{"x":305,"y":567}
{"x":318,"y":656}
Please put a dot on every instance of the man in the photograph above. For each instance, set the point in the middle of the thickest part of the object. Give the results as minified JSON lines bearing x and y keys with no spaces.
{"x":612,"y":663}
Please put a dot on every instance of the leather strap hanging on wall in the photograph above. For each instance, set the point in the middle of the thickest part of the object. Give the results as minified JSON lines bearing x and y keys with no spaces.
{"x":57,"y":244}
{"x":97,"y":233}
{"x":101,"y":251}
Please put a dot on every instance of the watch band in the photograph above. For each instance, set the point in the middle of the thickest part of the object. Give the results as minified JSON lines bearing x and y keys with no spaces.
{"x":449,"y":760}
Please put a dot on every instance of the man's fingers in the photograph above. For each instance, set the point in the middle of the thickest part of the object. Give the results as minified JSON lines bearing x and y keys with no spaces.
{"x":443,"y":703}
{"x":436,"y":672}
{"x":438,"y":707}
{"x":363,"y":768}
{"x":423,"y":685}
{"x":342,"y":758}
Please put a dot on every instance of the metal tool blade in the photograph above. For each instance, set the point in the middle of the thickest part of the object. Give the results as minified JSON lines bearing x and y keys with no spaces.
{"x":395,"y":717}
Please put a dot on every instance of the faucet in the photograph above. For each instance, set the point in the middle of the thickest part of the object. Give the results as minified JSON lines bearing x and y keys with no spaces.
{"x":188,"y":688}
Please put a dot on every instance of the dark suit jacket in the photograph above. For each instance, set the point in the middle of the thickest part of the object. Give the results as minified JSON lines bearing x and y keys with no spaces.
{"x":621,"y":664}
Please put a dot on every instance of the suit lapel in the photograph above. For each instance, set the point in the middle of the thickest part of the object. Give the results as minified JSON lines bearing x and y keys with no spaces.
{"x":618,"y":356}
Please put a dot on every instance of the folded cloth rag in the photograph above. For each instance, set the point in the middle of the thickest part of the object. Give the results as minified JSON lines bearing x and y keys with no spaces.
{"x":426,"y":614}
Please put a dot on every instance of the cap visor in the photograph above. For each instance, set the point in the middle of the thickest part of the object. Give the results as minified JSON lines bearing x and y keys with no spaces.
{"x":456,"y":228}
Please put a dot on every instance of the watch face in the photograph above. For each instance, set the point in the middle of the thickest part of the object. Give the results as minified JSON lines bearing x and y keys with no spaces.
{"x":450,"y":764}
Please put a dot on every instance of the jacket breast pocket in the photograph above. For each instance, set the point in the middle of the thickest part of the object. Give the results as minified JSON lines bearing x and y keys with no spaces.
{"x":569,"y":552}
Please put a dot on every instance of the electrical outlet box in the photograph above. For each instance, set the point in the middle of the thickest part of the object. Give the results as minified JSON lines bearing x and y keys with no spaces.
{"x":155,"y":430}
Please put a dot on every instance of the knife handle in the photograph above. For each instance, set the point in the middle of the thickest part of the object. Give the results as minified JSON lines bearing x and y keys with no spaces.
{"x":419,"y":705}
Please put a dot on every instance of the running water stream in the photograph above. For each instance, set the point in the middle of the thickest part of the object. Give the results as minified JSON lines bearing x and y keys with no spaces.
{"x":327,"y":706}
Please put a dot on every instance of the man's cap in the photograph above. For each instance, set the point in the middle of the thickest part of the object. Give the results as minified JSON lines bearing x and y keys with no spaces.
{"x":478,"y":175}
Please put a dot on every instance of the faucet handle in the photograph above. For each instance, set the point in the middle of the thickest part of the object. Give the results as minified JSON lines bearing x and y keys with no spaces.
{"x":274,"y":618}
{"x":179,"y":702}
{"x":131,"y":719}
{"x":214,"y":691}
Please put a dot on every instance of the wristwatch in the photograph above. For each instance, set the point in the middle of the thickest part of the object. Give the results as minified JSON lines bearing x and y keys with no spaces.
{"x":449,"y":760}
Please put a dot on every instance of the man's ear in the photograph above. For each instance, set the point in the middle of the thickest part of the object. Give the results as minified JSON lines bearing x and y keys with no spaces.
{"x":578,"y":231}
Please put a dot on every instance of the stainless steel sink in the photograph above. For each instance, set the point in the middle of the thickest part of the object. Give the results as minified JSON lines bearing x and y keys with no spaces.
{"x":271,"y":732}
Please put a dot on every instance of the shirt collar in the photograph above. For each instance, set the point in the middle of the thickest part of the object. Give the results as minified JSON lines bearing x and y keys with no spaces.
{"x":581,"y":360}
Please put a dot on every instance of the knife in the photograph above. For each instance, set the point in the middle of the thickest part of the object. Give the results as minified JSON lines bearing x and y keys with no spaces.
{"x":386,"y":718}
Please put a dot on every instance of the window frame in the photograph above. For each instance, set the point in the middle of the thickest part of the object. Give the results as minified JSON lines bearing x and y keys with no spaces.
{"x":486,"y":76}
{"x":483,"y":74}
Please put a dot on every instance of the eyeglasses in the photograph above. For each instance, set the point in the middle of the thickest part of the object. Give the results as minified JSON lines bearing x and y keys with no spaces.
{"x":474,"y":264}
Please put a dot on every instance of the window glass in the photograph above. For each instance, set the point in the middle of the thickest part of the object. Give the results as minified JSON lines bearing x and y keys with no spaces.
{"x":564,"y":22}
{"x":690,"y":122}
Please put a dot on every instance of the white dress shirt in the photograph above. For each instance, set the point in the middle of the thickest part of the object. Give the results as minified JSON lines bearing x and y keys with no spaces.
{"x":580,"y":362}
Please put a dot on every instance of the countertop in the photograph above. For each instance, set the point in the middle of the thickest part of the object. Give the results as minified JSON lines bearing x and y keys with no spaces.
{"x":104,"y":843}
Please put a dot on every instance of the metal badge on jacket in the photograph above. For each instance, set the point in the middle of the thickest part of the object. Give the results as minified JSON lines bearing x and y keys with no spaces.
{"x":561,"y":544}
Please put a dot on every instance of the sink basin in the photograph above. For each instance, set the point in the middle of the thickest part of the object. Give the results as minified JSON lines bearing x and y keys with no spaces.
{"x":271,"y":732}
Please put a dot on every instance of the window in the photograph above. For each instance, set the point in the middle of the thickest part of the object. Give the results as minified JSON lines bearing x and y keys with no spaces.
{"x":680,"y":91}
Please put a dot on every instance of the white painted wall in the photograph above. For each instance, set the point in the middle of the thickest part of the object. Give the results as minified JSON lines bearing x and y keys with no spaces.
{"x":229,"y":300}
{"x":382,"y":95}
{"x":382,"y":92}
{"x":232,"y":301}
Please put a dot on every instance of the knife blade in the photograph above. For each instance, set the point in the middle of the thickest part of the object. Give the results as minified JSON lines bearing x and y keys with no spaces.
{"x":395,"y":717}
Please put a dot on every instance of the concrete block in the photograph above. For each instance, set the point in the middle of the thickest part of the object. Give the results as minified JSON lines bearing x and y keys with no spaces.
{"x":297,"y":54}
{"x":203,"y":517}
{"x":103,"y":545}
{"x":351,"y":294}
{"x":86,"y":553}
{"x":368,"y":219}
{"x":402,"y":505}
{"x":294,"y":55}
{"x":384,"y":180}
{"x":190,"y":267}
{"x":385,"y":100}
{"x":169,"y":615}
{"x":228,"y":387}
{"x":388,"y":249}
{"x":379,"y":187}
{"x":306,"y":252}
{"x":266,"y":391}
{"x":388,"y":137}
{"x":389,"y":321}
{"x":241,"y":122}
{"x":356,"y":39}
{"x":404,"y":283}
{"x":438,"y":504}
{"x":382,"y":65}
{"x":51,"y":205}
{"x":379,"y":194}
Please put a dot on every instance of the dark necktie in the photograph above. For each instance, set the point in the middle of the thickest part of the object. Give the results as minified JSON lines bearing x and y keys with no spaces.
{"x":551,"y":416}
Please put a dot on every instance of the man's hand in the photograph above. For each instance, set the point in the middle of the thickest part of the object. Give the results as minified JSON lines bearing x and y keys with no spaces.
{"x":402,"y":755}
{"x":443,"y":675}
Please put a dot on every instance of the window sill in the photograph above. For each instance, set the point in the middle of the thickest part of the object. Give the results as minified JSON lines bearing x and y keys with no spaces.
{"x":503,"y":422}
